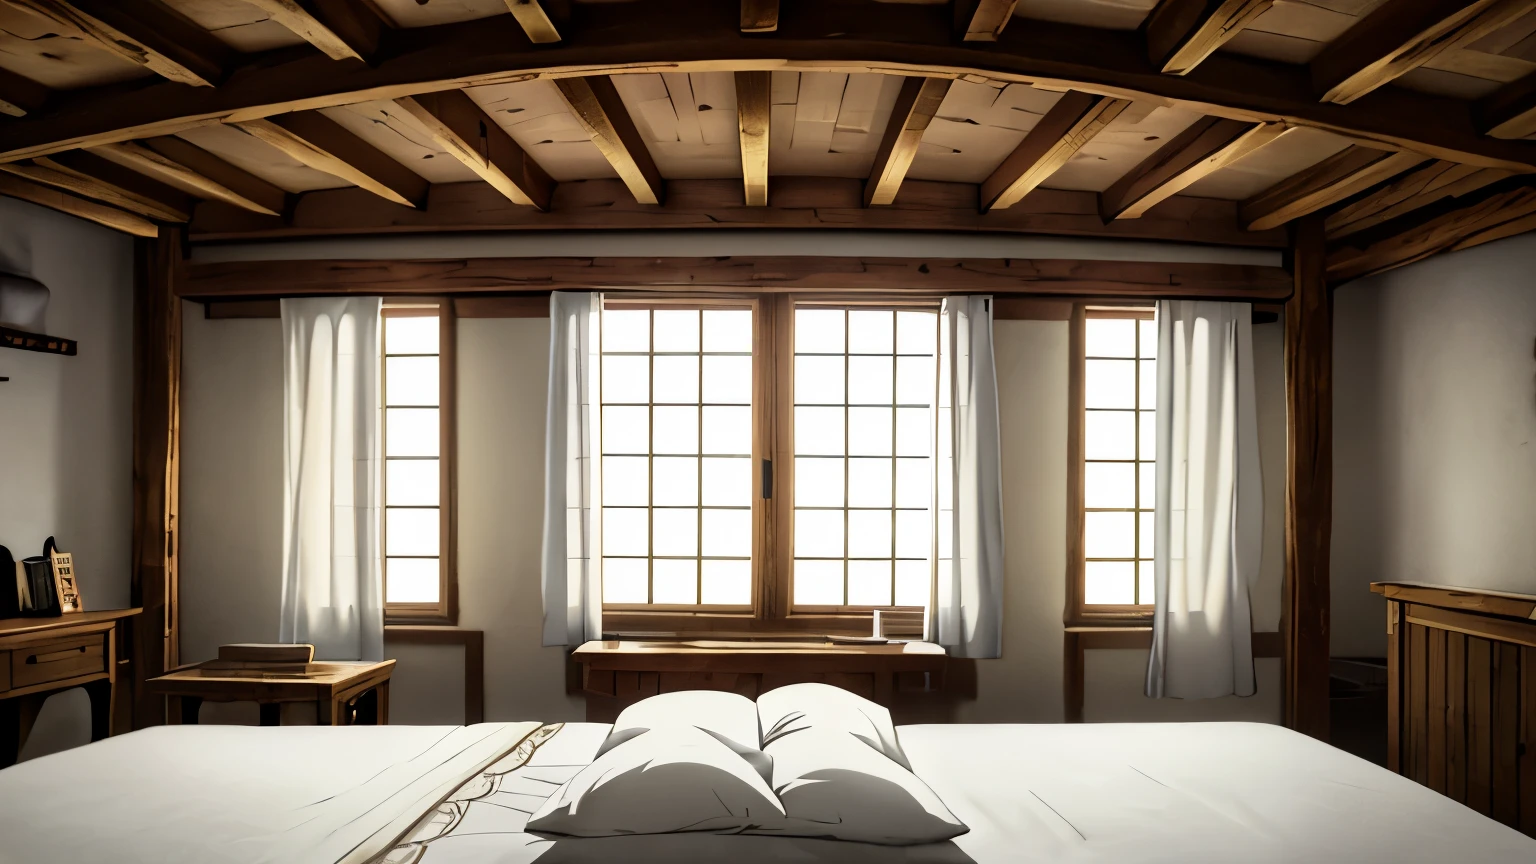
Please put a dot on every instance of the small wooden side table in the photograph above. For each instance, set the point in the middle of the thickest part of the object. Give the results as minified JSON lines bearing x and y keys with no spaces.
{"x":344,"y":692}
{"x":43,"y":656}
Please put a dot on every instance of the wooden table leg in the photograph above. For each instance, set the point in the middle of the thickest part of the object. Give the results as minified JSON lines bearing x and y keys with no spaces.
{"x":103,"y":699}
{"x":16,"y":718}
{"x":382,"y":694}
{"x":327,"y":712}
{"x":191,"y":707}
{"x":271,"y":713}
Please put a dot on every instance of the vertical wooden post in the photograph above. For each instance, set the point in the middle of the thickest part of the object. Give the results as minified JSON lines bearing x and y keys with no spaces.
{"x":156,"y":466}
{"x":1309,"y":483}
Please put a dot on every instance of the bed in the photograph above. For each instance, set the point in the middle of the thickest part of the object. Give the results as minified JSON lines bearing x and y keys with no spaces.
{"x":1129,"y":794}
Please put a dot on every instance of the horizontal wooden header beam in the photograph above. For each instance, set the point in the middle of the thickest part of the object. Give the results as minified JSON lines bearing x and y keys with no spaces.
{"x":1500,"y":210}
{"x":658,"y":35}
{"x":931,"y":276}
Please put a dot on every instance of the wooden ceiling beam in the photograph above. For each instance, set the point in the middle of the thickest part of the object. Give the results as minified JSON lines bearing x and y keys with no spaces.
{"x":198,"y":172}
{"x":1401,"y":36}
{"x":91,"y":176}
{"x":1420,"y":188}
{"x":1206,"y":147}
{"x":664,"y":36}
{"x":1348,"y":172}
{"x":462,"y":128}
{"x":1510,"y":111}
{"x":1495,"y":212}
{"x":1182,"y":33}
{"x":759,"y":16}
{"x":341,"y":29}
{"x":754,"y":98}
{"x":535,"y":21}
{"x":982,"y":20}
{"x":54,"y":199}
{"x":597,"y":106}
{"x":146,"y":33}
{"x":19,"y":95}
{"x":1071,"y":123}
{"x":915,"y":106}
{"x":321,"y":143}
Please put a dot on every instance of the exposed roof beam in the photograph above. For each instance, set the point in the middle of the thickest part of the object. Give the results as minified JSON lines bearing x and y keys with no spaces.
{"x":91,"y":176}
{"x":53,"y":199}
{"x":195,"y":170}
{"x":1510,"y":111}
{"x":915,"y":106}
{"x":342,"y":29}
{"x":145,"y":32}
{"x":759,"y":16}
{"x":601,"y":112}
{"x":1348,"y":172}
{"x":1416,"y":189}
{"x":1182,"y":33}
{"x":982,"y":20}
{"x":632,"y":37}
{"x":1071,"y":123}
{"x":754,"y":98}
{"x":463,"y":129}
{"x":20,"y":96}
{"x":1401,"y":36}
{"x":1209,"y":145}
{"x":321,"y":143}
{"x":1492,"y":214}
{"x":535,"y":22}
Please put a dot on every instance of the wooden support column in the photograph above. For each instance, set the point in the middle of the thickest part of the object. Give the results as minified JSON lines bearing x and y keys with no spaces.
{"x":156,"y":468}
{"x":1309,"y":483}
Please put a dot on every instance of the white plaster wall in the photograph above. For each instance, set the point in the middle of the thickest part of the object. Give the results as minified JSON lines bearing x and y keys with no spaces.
{"x":66,"y":433}
{"x":1434,"y":432}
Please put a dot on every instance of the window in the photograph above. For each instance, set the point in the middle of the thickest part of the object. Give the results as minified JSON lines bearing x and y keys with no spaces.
{"x":417,"y":384}
{"x":766,"y":464}
{"x":1115,"y":471}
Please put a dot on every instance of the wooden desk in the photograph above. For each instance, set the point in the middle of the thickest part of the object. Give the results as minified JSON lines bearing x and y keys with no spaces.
{"x":43,"y":656}
{"x":344,"y":693}
{"x":616,"y":674}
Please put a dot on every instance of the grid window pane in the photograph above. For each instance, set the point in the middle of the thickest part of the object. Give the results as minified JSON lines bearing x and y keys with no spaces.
{"x":1111,"y":337}
{"x":914,"y":483}
{"x":411,"y":335}
{"x":412,"y":491}
{"x":818,"y":482}
{"x":728,"y":330}
{"x":870,"y":432}
{"x":674,"y":481}
{"x":626,"y":429}
{"x":727,"y":533}
{"x":411,"y":531}
{"x":675,"y":581}
{"x":676,"y":381}
{"x":819,"y":380}
{"x":1148,"y":346}
{"x":870,"y":380}
{"x":818,"y":431}
{"x":676,"y":330}
{"x":1119,"y":496}
{"x":412,"y":482}
{"x":916,"y":333}
{"x":727,"y":482}
{"x":626,"y":531}
{"x":626,"y":330}
{"x":411,"y":381}
{"x":1110,"y":535}
{"x":1109,"y":484}
{"x":914,"y":534}
{"x":1110,"y":384}
{"x":727,"y":380}
{"x":819,"y":331}
{"x":913,"y":580}
{"x":819,"y":533}
{"x":869,"y":483}
{"x":727,"y":431}
{"x":871,"y":332}
{"x":1109,"y":435}
{"x":412,"y":580}
{"x":818,"y":583}
{"x":624,"y":580}
{"x":626,"y":379}
{"x":674,"y":430}
{"x":625,"y":480}
{"x":675,"y":531}
{"x":1146,"y":396}
{"x":869,"y":534}
{"x":915,"y":380}
{"x":1109,"y":582}
{"x":1145,"y":585}
{"x":727,"y":583}
{"x":411,"y":432}
{"x":914,"y":431}
{"x":1147,"y":484}
{"x":869,"y":583}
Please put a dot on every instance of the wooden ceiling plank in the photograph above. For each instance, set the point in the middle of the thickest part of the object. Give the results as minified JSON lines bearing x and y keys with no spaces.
{"x":462,"y":128}
{"x":91,"y":176}
{"x":597,"y":106}
{"x":916,"y":104}
{"x":199,"y":172}
{"x":982,"y":20}
{"x":1070,"y":124}
{"x":534,"y":20}
{"x":144,"y":32}
{"x":1490,"y":215}
{"x":1510,"y":111}
{"x":1348,"y":172}
{"x":754,"y":95}
{"x":1430,"y":183}
{"x":321,"y":143}
{"x":342,"y":29}
{"x":19,"y":95}
{"x":1206,"y":147}
{"x":1182,"y":33}
{"x":759,"y":16}
{"x":1401,"y":36}
{"x":54,"y":199}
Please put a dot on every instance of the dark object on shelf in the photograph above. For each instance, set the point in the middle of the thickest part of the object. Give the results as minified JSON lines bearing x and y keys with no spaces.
{"x":34,"y":589}
{"x":21,"y":339}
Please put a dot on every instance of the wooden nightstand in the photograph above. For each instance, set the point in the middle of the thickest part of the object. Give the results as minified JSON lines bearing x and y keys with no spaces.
{"x":43,"y":656}
{"x":344,"y":692}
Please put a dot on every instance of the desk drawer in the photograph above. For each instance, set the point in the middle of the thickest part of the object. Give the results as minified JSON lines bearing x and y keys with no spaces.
{"x":57,"y":661}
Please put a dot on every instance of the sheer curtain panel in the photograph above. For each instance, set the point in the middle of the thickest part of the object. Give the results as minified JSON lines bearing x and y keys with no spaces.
{"x":572,"y":567}
{"x":332,"y":581}
{"x":968,"y":612}
{"x":1209,"y":526}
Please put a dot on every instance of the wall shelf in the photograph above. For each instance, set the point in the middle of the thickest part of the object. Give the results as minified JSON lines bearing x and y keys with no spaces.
{"x":24,"y":341}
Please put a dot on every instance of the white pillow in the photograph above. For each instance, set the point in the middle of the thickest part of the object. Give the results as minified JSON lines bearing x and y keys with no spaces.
{"x":798,"y":707}
{"x":673,"y":779}
{"x":835,"y":785}
{"x":729,"y":717}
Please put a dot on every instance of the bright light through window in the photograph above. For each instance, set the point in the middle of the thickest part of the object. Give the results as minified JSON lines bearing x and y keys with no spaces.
{"x":864,"y":390}
{"x":1120,"y":453}
{"x":677,"y":456}
{"x":412,"y":454}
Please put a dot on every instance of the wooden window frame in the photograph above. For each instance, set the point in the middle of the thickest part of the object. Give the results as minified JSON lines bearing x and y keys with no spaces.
{"x":772,"y":613}
{"x":1079,"y":613}
{"x":446,"y":610}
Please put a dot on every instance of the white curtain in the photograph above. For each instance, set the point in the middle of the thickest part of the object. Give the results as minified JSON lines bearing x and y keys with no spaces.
{"x":572,"y":568}
{"x":332,"y":580}
{"x":967,"y":614}
{"x":1209,"y":524}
